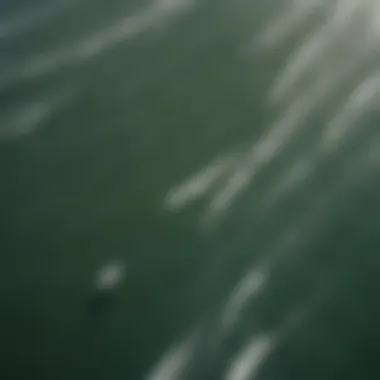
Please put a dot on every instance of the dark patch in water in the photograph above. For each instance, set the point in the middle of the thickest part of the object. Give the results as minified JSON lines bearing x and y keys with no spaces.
{"x":100,"y":303}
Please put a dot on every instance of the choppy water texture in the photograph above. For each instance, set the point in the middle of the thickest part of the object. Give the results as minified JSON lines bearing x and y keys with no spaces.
{"x":226,"y":152}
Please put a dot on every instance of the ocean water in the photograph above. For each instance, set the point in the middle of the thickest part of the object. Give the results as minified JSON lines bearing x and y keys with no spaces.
{"x":226,"y":152}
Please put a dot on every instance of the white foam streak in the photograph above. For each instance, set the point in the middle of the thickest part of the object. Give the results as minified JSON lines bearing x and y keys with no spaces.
{"x":253,"y":284}
{"x":291,"y":179}
{"x":282,"y":132}
{"x":341,"y":39}
{"x":374,"y":22}
{"x":31,"y":18}
{"x":279,"y":135}
{"x":365,"y":96}
{"x":313,"y":76}
{"x":346,"y":9}
{"x":197,"y":185}
{"x":244,"y":292}
{"x":261,"y":153}
{"x":126,"y":28}
{"x":352,"y":173}
{"x":288,"y":23}
{"x":29,"y":117}
{"x":174,"y":362}
{"x":271,"y":144}
{"x":248,"y":362}
{"x":307,"y":54}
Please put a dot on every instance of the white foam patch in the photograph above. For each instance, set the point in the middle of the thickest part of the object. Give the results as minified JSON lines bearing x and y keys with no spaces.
{"x":248,"y":362}
{"x":110,"y":276}
{"x":174,"y":362}
{"x":128,"y":27}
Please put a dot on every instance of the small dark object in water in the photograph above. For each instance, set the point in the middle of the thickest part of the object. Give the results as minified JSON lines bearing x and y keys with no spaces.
{"x":100,"y":302}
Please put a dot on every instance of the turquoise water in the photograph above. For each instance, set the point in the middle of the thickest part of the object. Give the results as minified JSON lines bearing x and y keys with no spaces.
{"x":227,"y":152}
